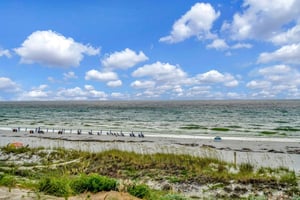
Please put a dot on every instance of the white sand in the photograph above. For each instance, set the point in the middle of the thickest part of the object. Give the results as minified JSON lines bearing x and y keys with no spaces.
{"x":269,"y":152}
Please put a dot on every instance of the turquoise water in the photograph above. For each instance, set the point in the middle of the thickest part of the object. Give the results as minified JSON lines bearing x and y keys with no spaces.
{"x":231,"y":118}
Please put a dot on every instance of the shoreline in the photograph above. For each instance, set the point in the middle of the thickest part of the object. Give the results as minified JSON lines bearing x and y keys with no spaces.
{"x":265,"y":152}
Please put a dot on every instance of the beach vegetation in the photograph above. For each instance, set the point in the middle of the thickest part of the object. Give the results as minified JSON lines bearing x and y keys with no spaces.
{"x":140,"y":191}
{"x":57,"y":186}
{"x":9,"y":148}
{"x":289,"y":178}
{"x":8,"y":180}
{"x":246,"y":168}
{"x":62,"y":172}
{"x":92,"y":183}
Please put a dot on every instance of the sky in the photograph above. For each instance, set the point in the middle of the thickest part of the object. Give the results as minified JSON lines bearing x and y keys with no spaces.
{"x":149,"y":50}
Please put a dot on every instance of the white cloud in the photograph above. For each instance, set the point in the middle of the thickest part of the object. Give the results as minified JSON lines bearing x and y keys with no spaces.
{"x":277,"y":69}
{"x":198,"y":22}
{"x":70,"y":75}
{"x":160,"y":72}
{"x":5,"y":52}
{"x":53,"y":49}
{"x":116,"y":83}
{"x":242,"y":45}
{"x":218,"y":44}
{"x":213,"y":77}
{"x":142,"y":84}
{"x":178,"y":90}
{"x":101,"y":76}
{"x":262,"y":19}
{"x":118,"y":95}
{"x":7,"y":85}
{"x":89,"y":87}
{"x":276,"y":80}
{"x":234,"y":95}
{"x":255,"y":84}
{"x":289,"y":37}
{"x":76,"y":93}
{"x":198,"y":91}
{"x":288,"y":54}
{"x":36,"y":93}
{"x":167,"y":79}
{"x":163,"y":78}
{"x":124,"y":59}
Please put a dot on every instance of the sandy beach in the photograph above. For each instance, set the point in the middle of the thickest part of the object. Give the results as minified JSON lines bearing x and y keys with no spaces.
{"x":267,"y":152}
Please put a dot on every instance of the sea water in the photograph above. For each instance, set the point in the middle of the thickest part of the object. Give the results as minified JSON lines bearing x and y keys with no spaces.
{"x":243,"y":118}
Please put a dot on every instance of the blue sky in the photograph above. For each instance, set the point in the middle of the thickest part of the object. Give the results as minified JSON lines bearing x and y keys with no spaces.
{"x":149,"y":50}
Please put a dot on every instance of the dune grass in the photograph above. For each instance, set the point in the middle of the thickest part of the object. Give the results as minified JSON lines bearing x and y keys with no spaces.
{"x":63,"y":172}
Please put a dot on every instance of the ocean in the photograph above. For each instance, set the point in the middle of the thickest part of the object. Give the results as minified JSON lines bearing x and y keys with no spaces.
{"x":243,"y":118}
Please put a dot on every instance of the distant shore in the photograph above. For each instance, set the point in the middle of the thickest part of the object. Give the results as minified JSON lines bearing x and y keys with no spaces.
{"x":259,"y":151}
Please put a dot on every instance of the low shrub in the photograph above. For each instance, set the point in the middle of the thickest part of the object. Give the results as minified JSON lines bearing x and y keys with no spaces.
{"x":16,"y":150}
{"x":55,"y":186}
{"x":289,"y":178}
{"x":80,"y":184}
{"x":7,"y":180}
{"x":139,"y":191}
{"x":98,"y":183}
{"x":93,"y":183}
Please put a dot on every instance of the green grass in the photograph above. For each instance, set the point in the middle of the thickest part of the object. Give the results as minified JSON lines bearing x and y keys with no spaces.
{"x":65,"y":186}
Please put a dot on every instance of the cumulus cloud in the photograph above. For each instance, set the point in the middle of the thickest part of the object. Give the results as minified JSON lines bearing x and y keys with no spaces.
{"x":70,"y":75}
{"x":218,"y":44}
{"x":124,"y":59}
{"x":116,"y":83}
{"x":159,"y":78}
{"x":5,"y":52}
{"x":291,"y":36}
{"x":118,"y":95}
{"x":77,"y":93}
{"x":7,"y":85}
{"x":160,"y":72}
{"x":198,"y":22}
{"x":288,"y":54}
{"x":37,"y":93}
{"x":166,"y":79}
{"x":53,"y":49}
{"x":142,"y":84}
{"x":100,"y":76}
{"x":276,"y":80}
{"x":214,"y":77}
{"x":258,"y":84}
{"x":198,"y":91}
{"x":262,"y":19}
{"x":241,"y":46}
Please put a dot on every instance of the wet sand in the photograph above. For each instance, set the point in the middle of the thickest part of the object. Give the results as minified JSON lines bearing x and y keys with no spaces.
{"x":260,"y":151}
